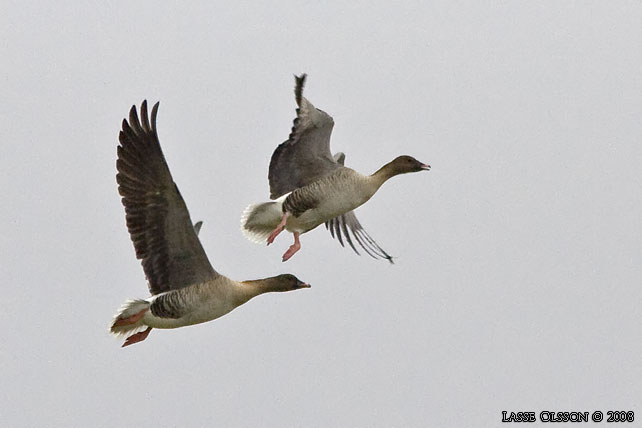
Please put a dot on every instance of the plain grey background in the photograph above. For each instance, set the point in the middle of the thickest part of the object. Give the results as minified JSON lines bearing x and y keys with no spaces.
{"x":517,"y":279}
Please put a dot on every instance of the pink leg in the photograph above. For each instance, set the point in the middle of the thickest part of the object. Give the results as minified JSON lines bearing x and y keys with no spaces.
{"x":278,"y":229}
{"x":293,"y":248}
{"x":138,"y":337}
{"x":130,"y":320}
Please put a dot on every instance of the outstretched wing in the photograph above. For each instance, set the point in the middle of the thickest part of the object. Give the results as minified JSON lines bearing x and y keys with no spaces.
{"x":305,"y":156}
{"x":159,"y":224}
{"x":340,"y":227}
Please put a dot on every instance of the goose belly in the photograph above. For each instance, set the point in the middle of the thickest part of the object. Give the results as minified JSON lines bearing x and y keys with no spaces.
{"x":338,"y":203}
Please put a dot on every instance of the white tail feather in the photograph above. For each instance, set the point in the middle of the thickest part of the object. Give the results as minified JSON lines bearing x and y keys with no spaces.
{"x":259,"y":220}
{"x":127,"y":309}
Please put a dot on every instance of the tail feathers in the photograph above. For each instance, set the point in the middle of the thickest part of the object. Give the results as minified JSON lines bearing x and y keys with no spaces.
{"x":259,"y":220}
{"x":120,"y":326}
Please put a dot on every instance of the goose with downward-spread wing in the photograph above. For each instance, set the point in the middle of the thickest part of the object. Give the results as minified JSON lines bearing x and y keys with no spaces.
{"x":185,"y":289}
{"x":310,"y":186}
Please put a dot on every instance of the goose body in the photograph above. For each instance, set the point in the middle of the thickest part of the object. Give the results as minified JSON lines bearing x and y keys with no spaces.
{"x":337,"y":193}
{"x":310,"y":186}
{"x":185,"y":288}
{"x":196,"y":304}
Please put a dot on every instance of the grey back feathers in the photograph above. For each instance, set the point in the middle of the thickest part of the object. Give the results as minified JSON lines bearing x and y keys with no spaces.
{"x":158,"y":221}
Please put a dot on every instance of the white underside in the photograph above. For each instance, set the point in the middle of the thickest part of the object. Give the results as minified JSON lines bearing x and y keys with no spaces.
{"x":259,"y":220}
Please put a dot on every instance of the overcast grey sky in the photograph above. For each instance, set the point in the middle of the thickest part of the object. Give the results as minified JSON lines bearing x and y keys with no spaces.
{"x":517,"y":279}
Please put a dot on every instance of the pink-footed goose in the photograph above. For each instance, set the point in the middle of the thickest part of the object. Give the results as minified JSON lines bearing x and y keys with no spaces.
{"x":310,"y":186}
{"x":185,"y":289}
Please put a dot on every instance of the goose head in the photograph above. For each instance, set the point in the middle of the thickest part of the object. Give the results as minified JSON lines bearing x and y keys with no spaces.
{"x":405,"y":164}
{"x":285,"y":282}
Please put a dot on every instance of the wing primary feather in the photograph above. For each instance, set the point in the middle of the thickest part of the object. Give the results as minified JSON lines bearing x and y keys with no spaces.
{"x":380,"y":251}
{"x":143,"y":113}
{"x":154,"y":112}
{"x":355,"y":226}
{"x":347,"y":227}
{"x":132,"y":155}
{"x":365,"y":247}
{"x":347,"y":235}
{"x":127,"y":130}
{"x":337,"y":229}
{"x":298,"y":88}
{"x":330,"y":226}
{"x":133,"y":121}
{"x":369,"y":242}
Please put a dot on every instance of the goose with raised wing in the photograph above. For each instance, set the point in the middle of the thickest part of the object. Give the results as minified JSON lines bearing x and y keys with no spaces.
{"x":310,"y":186}
{"x":185,"y":289}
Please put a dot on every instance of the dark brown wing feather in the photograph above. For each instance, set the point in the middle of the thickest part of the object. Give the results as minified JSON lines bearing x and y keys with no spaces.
{"x":157,"y":218}
{"x":305,"y":156}
{"x":339,"y":227}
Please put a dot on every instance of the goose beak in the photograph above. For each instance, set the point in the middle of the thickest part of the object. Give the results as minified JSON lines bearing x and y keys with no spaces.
{"x":304,"y":285}
{"x":425,"y":167}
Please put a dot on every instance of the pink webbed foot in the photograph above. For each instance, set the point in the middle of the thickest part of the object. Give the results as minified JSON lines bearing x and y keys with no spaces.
{"x":274,"y":234}
{"x":293,"y":248}
{"x":138,"y":337}
{"x":278,"y":229}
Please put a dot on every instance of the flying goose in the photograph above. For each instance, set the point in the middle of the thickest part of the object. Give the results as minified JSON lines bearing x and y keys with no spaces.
{"x":310,"y":186}
{"x":185,"y":289}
